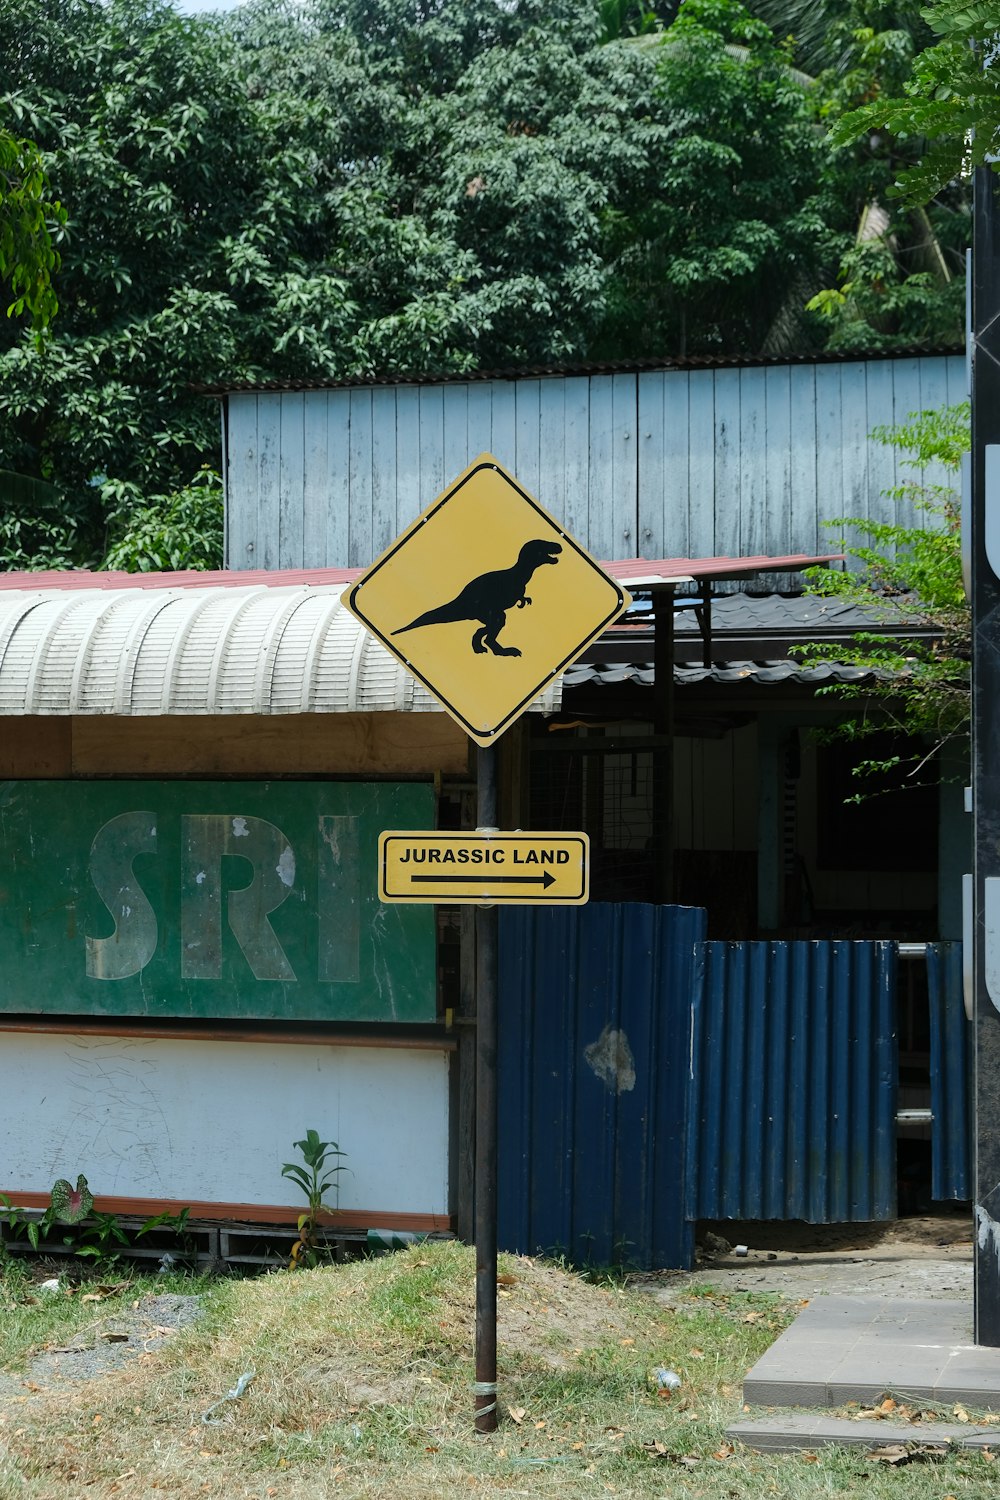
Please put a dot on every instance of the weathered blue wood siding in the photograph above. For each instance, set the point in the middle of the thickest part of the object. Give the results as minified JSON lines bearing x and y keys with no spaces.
{"x":672,"y":463}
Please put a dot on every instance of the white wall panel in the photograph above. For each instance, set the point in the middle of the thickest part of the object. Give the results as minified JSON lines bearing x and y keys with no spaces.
{"x":198,"y":1121}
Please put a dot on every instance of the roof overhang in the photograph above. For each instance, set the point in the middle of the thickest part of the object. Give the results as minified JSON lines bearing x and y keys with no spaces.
{"x":211,"y":650}
{"x":235,"y":642}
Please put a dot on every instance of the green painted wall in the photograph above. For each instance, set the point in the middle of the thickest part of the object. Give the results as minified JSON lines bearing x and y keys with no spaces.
{"x":252,"y":900}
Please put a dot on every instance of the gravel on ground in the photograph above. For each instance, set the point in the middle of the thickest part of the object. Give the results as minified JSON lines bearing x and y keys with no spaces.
{"x":928,"y":1257}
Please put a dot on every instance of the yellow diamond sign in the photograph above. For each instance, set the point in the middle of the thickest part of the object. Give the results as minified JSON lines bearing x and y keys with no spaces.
{"x":486,"y":599}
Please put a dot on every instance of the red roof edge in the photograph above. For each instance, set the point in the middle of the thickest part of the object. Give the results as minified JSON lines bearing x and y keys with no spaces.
{"x":623,"y":569}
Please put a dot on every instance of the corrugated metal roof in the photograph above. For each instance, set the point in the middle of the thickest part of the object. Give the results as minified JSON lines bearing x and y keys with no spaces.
{"x":590,"y":367}
{"x":258,"y":649}
{"x":250,"y":642}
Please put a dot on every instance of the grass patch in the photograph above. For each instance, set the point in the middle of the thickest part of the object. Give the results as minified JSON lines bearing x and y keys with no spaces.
{"x":362,"y":1389}
{"x":33,"y":1319}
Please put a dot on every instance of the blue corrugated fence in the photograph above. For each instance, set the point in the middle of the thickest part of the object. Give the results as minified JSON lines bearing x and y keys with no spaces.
{"x":793,"y":1083}
{"x":951,"y":1096}
{"x":594,"y":1049}
{"x":649,"y":1079}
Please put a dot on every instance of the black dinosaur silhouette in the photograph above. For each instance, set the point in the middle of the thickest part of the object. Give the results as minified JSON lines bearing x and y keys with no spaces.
{"x":489,"y":597}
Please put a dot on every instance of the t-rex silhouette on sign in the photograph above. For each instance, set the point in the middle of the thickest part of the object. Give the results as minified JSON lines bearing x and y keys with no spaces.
{"x":489,"y":597}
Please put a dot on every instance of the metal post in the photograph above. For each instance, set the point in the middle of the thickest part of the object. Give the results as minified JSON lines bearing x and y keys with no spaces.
{"x":486,"y":1120}
{"x":986,"y":747}
{"x":663,"y":755}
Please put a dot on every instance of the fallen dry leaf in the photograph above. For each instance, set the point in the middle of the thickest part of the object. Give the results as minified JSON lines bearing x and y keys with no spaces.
{"x":897,"y":1453}
{"x":904,"y":1453}
{"x":517,"y":1414}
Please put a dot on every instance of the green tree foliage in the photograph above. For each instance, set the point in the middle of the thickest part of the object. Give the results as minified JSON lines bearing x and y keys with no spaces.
{"x":628,"y":18}
{"x":720,"y":249}
{"x":29,"y":224}
{"x":911,"y":577}
{"x":335,"y":189}
{"x":947,"y":114}
{"x":901,"y":278}
{"x":164,"y":533}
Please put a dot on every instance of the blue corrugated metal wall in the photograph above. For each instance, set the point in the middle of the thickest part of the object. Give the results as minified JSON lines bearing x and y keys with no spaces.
{"x":594,"y":1053}
{"x":649,"y":1079}
{"x":793,"y":1083}
{"x":951,"y":1095}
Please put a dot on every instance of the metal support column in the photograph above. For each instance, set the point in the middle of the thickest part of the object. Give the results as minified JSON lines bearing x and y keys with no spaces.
{"x":486,"y":1120}
{"x":986,"y":743}
{"x":663,"y":755}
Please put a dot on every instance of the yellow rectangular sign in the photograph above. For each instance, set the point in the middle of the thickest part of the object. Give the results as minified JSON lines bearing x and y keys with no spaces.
{"x":501,"y":869}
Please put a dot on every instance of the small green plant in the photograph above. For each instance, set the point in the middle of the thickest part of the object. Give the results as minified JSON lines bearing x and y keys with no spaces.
{"x":68,"y":1204}
{"x":15,"y":1219}
{"x":315,"y":1178}
{"x":99,"y":1235}
{"x":167,"y":1220}
{"x":95,"y":1234}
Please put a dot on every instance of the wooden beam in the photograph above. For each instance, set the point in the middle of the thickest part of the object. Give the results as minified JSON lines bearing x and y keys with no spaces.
{"x":382,"y":744}
{"x":38,"y":746}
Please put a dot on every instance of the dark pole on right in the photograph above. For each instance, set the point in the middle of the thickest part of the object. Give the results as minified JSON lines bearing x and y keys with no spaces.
{"x":985,"y":351}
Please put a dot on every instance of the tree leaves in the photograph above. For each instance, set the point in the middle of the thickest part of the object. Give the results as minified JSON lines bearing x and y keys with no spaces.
{"x":348,"y":188}
{"x":29,"y":223}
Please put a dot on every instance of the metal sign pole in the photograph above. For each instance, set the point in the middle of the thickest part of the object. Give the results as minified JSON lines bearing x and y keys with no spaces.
{"x":986,"y":744}
{"x":486,"y":1119}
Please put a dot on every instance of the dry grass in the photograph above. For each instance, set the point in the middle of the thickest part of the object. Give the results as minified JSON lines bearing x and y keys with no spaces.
{"x":361,"y":1389}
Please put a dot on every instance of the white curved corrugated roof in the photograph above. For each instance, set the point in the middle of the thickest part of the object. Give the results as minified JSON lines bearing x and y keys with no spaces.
{"x":211,"y":650}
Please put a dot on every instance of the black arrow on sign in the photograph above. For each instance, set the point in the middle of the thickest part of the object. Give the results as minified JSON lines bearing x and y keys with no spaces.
{"x":544,"y":880}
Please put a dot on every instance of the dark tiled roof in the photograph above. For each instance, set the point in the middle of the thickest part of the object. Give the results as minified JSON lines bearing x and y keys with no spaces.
{"x":592,"y":367}
{"x":803,"y":615}
{"x":587,"y":674}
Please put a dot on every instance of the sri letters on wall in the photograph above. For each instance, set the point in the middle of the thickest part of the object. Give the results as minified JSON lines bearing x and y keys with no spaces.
{"x":209,"y":899}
